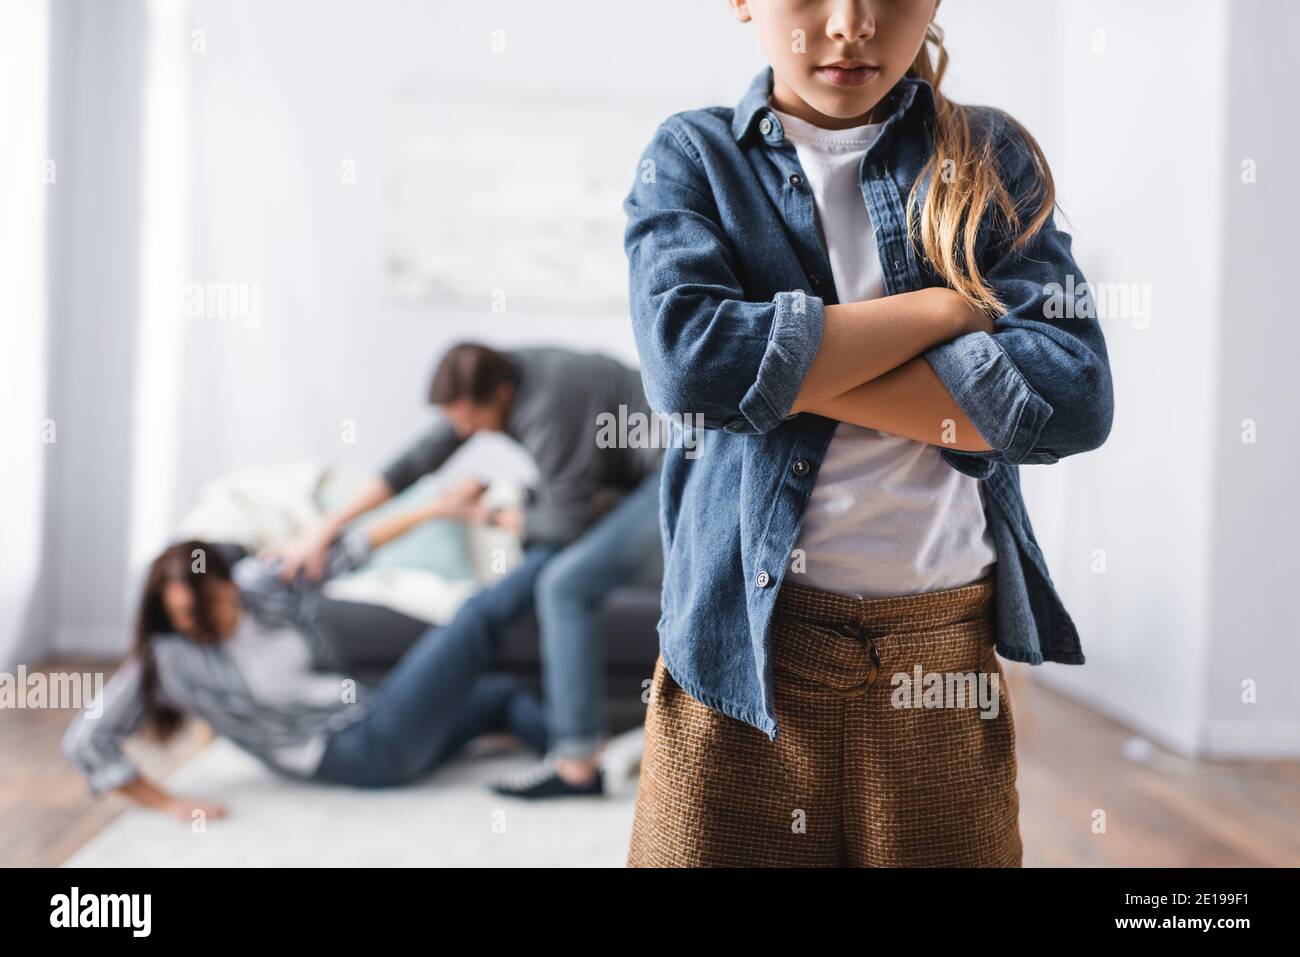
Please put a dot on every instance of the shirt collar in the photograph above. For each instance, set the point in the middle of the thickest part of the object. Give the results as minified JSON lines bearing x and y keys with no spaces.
{"x":908,"y":93}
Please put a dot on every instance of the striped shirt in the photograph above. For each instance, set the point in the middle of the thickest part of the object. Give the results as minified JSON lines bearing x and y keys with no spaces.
{"x":267,"y":688}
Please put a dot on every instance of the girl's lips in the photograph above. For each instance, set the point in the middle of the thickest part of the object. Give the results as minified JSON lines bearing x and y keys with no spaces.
{"x":847,"y":76}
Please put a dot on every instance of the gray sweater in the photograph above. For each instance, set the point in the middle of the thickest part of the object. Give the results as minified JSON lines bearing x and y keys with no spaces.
{"x":556,"y":415}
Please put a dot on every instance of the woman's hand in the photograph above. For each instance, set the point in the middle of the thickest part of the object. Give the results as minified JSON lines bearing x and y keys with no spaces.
{"x":145,"y":793}
{"x":304,"y":554}
{"x":185,"y":809}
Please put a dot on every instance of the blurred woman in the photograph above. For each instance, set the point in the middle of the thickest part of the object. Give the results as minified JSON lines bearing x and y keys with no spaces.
{"x":243,"y":649}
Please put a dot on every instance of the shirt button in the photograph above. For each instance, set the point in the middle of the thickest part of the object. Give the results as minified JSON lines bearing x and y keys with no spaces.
{"x":800,"y":467}
{"x":796,"y":180}
{"x":765,"y":126}
{"x":763,"y":579}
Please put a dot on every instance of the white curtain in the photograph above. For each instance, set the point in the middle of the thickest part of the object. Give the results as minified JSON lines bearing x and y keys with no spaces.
{"x":27,"y":439}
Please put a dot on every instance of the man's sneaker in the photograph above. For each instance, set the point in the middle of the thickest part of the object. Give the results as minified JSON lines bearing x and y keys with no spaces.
{"x":543,"y":781}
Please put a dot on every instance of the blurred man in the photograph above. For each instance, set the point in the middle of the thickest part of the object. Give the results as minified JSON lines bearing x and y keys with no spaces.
{"x":596,"y":506}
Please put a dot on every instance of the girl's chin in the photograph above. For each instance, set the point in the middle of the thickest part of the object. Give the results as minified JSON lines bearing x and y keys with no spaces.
{"x":843,"y":109}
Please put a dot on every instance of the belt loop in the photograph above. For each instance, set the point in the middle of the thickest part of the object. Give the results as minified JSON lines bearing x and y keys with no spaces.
{"x":852,"y":629}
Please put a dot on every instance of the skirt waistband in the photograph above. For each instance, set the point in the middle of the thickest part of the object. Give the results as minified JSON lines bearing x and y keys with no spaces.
{"x":899,"y":613}
{"x":847,"y":645}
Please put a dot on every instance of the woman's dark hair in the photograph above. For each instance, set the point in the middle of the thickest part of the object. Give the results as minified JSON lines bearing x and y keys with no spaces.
{"x":471,"y":371}
{"x":200,"y":566}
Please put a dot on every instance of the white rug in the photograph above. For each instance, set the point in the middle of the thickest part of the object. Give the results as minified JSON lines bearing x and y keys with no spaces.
{"x":450,"y":819}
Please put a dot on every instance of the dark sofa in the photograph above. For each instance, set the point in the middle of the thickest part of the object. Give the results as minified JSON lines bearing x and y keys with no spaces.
{"x":373,"y":638}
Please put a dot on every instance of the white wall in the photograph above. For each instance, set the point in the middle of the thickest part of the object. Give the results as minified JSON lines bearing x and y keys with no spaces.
{"x":1146,"y":112}
{"x":95,"y":78}
{"x":287,"y":91}
{"x":1128,"y":184}
{"x":25,"y":181}
{"x":1254,"y":630}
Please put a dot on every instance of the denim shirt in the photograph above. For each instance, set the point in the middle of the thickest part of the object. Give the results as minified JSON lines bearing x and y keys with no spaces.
{"x":729,"y":278}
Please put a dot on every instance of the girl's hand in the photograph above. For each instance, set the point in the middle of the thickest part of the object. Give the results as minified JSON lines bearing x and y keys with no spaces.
{"x":965,"y":316}
{"x":864,"y":340}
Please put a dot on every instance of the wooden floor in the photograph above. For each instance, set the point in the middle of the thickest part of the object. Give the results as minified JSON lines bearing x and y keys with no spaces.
{"x":46,"y":813}
{"x":1164,"y":811}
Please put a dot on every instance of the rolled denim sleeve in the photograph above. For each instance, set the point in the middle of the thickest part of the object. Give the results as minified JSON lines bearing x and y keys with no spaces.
{"x":1039,"y":388}
{"x":703,"y":348}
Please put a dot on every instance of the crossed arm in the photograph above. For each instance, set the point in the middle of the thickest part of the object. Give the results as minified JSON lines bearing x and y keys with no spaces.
{"x":869,"y":369}
{"x":1033,"y":390}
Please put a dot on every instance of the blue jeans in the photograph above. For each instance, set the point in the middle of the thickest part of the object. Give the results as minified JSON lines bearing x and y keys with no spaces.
{"x":439,"y":696}
{"x":620,"y":547}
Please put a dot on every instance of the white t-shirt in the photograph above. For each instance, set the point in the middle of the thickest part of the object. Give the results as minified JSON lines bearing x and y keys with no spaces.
{"x":887,"y":515}
{"x":276,"y":665}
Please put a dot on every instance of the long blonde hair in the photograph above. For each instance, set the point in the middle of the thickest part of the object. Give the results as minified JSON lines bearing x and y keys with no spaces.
{"x":947,"y":224}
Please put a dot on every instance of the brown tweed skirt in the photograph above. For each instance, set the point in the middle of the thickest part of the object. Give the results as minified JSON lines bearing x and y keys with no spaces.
{"x":896,"y":745}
